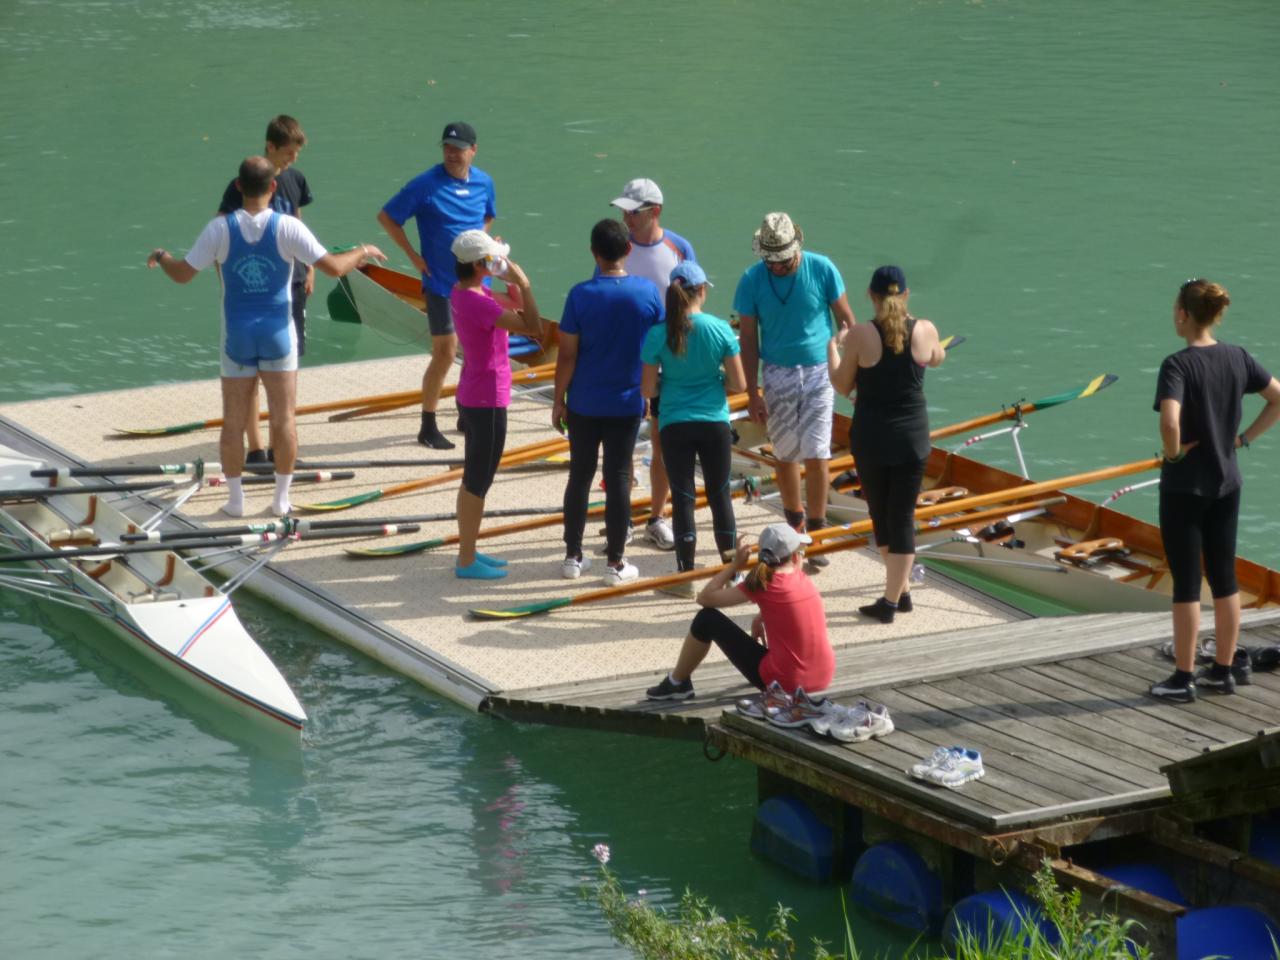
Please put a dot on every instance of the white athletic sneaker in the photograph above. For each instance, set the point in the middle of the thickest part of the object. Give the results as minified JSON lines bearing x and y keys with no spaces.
{"x":958,"y":768}
{"x":624,"y":573}
{"x":862,"y":722}
{"x":924,"y":769}
{"x":572,"y":567}
{"x":658,"y":532}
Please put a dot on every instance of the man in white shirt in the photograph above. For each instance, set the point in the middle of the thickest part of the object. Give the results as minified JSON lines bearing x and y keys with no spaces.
{"x":655,"y":252}
{"x":256,"y":248}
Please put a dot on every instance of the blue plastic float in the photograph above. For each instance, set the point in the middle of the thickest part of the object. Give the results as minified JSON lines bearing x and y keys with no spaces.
{"x":989,"y":914}
{"x":1232,"y":933}
{"x":787,"y":832}
{"x":892,"y":880}
{"x":1148,"y":878}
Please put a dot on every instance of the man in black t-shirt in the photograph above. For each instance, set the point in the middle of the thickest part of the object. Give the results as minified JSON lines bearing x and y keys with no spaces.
{"x":285,"y":141}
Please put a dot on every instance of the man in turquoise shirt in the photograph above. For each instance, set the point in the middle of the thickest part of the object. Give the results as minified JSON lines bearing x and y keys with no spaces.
{"x":784,"y":305}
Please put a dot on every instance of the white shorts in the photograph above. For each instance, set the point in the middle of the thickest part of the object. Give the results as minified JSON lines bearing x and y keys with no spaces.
{"x":285,"y":364}
{"x":800,"y":401}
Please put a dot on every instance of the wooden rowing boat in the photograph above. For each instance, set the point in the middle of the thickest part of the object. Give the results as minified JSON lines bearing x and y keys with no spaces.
{"x":156,"y":603}
{"x":391,"y":302}
{"x":1078,"y":556}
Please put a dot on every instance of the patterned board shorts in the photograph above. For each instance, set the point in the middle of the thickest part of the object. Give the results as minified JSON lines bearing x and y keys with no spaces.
{"x":800,"y":401}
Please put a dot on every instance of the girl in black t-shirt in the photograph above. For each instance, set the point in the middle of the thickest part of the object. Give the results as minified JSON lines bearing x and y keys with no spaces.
{"x":1199,"y":399}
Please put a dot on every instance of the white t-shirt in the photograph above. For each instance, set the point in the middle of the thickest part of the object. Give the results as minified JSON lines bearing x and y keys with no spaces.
{"x":293,"y":239}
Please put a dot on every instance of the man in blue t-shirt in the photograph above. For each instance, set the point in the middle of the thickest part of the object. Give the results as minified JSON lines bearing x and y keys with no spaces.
{"x":655,"y":252}
{"x":451,"y":197}
{"x":597,"y":393}
{"x":784,"y":305}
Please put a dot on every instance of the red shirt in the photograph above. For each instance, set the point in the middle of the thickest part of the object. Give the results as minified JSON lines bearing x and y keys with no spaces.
{"x":795,"y":626}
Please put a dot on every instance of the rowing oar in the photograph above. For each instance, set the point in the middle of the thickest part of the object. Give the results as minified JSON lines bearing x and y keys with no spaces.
{"x":208,"y":543}
{"x":43,"y":493}
{"x":525,"y":454}
{"x":747,"y":486}
{"x":325,"y":407}
{"x":287,"y":525}
{"x":539,"y":374}
{"x":833,"y":545}
{"x":1010,"y":412}
{"x":199,"y":468}
{"x":832,"y":533}
{"x":1023,"y":407}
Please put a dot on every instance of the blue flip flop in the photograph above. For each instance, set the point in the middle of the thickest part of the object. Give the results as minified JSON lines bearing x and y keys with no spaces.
{"x":489,"y":560}
{"x":479,"y":571}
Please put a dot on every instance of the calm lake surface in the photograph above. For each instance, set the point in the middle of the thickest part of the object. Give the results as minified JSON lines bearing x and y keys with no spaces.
{"x":1045,"y":173}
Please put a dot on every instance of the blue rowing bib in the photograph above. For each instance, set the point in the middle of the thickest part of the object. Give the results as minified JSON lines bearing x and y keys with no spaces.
{"x":255,"y":297}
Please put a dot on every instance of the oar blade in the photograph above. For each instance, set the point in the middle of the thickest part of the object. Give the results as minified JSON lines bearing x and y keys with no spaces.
{"x":345,"y":503}
{"x":953,"y":341}
{"x":160,"y":431}
{"x":1100,"y":382}
{"x":526,"y":610}
{"x":397,"y":550}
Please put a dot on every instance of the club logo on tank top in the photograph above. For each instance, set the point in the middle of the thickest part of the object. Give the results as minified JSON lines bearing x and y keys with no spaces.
{"x":255,"y":272}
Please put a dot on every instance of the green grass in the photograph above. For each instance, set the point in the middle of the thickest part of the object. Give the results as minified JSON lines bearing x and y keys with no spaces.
{"x":695,"y":930}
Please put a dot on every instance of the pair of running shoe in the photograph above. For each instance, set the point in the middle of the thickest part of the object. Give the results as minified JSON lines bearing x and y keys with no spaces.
{"x":950,"y":767}
{"x":825,"y":717}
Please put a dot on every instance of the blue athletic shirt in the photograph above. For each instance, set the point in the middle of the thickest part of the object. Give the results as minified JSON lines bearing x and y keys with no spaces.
{"x":693,"y":383}
{"x":610,"y":316}
{"x":794,"y":312}
{"x":255,"y":296}
{"x":443,"y":206}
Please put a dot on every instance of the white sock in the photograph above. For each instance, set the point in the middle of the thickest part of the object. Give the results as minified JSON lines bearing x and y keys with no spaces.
{"x":234,"y":507}
{"x":280,"y":505}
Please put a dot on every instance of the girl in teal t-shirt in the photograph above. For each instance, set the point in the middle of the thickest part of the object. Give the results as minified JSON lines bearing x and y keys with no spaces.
{"x":697,"y":355}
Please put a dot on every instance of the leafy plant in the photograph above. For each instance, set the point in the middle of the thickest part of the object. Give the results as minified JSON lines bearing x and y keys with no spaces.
{"x":695,"y":930}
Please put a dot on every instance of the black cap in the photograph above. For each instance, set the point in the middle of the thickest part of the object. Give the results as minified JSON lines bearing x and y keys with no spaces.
{"x":887,"y":281}
{"x":459,"y":134}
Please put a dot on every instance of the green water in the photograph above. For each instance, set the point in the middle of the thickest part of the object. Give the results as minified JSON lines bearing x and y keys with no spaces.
{"x":1046,"y":173}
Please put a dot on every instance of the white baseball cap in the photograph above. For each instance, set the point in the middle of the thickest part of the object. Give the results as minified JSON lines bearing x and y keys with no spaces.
{"x":637,"y":194}
{"x":472,"y":245}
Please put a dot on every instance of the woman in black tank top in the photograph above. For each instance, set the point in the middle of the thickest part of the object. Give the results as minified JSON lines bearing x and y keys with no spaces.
{"x":885,"y":361}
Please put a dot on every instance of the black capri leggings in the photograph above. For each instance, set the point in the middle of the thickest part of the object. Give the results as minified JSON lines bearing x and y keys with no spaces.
{"x":712,"y":626}
{"x":708,"y":442}
{"x":891,"y":493}
{"x":1191,"y":525}
{"x":485,"y":430}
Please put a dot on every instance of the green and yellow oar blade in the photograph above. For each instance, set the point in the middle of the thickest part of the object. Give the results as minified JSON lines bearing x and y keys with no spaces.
{"x":345,"y":503}
{"x":398,"y":550}
{"x":526,"y":610}
{"x":165,"y":431}
{"x":1093,"y":386}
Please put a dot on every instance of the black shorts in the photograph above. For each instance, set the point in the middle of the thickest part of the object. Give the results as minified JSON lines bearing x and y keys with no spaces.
{"x":439,"y":314}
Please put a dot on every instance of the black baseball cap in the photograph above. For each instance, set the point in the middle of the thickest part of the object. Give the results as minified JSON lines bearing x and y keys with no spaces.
{"x":461,"y":135}
{"x":887,"y":281}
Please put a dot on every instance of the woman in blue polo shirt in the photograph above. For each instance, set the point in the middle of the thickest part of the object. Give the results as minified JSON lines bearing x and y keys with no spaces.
{"x":597,"y":395}
{"x":698,"y":357}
